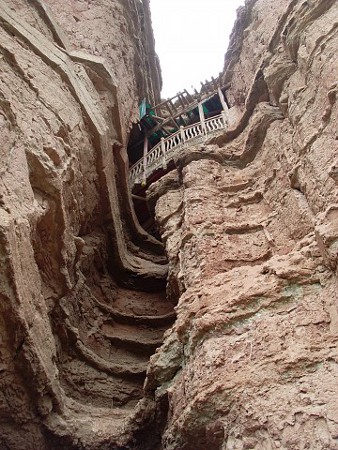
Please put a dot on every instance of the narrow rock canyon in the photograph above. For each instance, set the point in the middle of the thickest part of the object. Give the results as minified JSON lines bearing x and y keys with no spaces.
{"x":218,"y":331}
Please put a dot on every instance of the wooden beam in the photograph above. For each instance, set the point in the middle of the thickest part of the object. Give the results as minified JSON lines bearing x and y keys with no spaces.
{"x":162,"y":119}
{"x":172,"y":115}
{"x":169,"y":109}
{"x":137,"y":197}
{"x":175,"y":122}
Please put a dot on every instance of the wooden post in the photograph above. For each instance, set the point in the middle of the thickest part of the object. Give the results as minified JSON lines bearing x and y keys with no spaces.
{"x":202,"y":118}
{"x":214,"y":83}
{"x":145,"y":151}
{"x":173,"y":106}
{"x":164,"y":163}
{"x":222,"y":99}
{"x":180,"y":99}
{"x":225,"y":119}
{"x":225,"y":112}
{"x":182,"y":134}
{"x":189,"y":97}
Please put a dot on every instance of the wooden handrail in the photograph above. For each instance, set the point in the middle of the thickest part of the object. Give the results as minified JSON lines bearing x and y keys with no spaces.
{"x":163,"y":152}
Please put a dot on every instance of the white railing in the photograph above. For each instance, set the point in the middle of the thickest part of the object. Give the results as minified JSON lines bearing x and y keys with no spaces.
{"x":160,"y":155}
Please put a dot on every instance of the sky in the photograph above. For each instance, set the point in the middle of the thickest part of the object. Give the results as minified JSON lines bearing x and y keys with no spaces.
{"x":191,"y":40}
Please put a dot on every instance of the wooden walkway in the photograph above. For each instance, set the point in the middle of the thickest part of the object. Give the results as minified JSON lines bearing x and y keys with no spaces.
{"x":167,"y":149}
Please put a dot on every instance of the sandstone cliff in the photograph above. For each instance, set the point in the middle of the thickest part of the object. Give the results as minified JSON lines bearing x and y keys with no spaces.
{"x":250,"y":225}
{"x":74,"y":344}
{"x":248,"y":219}
{"x":250,"y":222}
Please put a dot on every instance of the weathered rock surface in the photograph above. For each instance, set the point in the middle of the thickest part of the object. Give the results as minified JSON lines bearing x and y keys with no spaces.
{"x":249,"y":221}
{"x":74,"y":344}
{"x":250,"y":226}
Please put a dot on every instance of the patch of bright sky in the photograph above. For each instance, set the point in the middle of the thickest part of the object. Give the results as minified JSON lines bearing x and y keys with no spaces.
{"x":191,"y":40}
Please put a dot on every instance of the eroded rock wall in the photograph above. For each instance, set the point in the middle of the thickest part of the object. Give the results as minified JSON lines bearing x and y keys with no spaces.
{"x":74,"y":345}
{"x":250,"y":226}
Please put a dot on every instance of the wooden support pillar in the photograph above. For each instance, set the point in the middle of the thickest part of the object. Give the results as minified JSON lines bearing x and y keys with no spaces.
{"x":164,"y":161}
{"x":222,"y":99}
{"x":225,"y":112}
{"x":180,"y":99}
{"x":202,"y":118}
{"x":182,"y":135}
{"x":169,"y":109}
{"x":145,"y":151}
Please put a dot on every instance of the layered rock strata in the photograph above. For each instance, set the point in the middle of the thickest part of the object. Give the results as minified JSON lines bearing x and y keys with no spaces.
{"x":250,"y":226}
{"x":249,"y":221}
{"x":74,"y":343}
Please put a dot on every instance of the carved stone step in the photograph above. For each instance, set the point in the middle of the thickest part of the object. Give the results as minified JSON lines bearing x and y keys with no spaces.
{"x":150,"y":320}
{"x":139,"y":304}
{"x":82,"y":381}
{"x":137,"y":339}
{"x":119,"y":366}
{"x":102,"y":356}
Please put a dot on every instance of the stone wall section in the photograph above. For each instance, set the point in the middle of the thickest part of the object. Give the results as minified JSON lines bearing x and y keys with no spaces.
{"x":250,"y":225}
{"x":71,"y":373}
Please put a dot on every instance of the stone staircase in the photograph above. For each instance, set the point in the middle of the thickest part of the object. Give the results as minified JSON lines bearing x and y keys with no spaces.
{"x":113,"y":346}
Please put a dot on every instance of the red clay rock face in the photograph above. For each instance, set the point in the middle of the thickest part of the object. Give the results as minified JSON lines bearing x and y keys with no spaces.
{"x":250,"y":226}
{"x":249,"y":221}
{"x":74,"y":344}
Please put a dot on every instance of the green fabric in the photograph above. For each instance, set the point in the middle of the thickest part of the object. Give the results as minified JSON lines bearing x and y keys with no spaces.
{"x":143,"y":108}
{"x":150,"y":111}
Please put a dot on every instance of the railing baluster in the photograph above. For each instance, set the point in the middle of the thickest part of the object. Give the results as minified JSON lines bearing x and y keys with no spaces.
{"x":166,"y":146}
